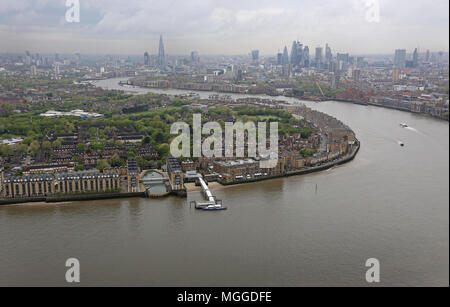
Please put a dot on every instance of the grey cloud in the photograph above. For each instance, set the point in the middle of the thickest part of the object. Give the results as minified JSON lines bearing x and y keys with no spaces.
{"x":235,"y":26}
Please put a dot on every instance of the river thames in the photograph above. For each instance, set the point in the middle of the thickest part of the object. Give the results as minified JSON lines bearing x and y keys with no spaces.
{"x":390,"y":203}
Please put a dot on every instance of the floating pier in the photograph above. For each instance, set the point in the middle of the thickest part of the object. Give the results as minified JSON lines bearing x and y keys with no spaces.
{"x":212,"y":203}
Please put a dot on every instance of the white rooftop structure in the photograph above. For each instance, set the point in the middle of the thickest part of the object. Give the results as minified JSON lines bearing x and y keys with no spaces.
{"x":11,"y":142}
{"x":76,"y":113}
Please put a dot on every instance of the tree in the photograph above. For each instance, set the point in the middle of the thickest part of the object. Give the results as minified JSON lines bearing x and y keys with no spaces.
{"x":119,"y":144}
{"x":98,"y":146}
{"x":22,"y":148}
{"x":158,"y":136}
{"x":34,"y":147}
{"x":57,"y":144}
{"x":47,"y":147}
{"x":77,"y":159}
{"x":116,"y":162}
{"x":79,"y":167}
{"x":163,"y":149}
{"x":70,"y":127}
{"x":93,"y":133}
{"x":6,"y":110}
{"x":28,"y":140}
{"x":82,"y":147}
{"x":110,"y":130}
{"x":6,"y":150}
{"x":146,"y":140}
{"x":308,"y":152}
{"x":102,"y":164}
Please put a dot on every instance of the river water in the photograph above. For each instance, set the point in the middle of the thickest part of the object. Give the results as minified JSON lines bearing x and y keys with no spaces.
{"x":390,"y":203}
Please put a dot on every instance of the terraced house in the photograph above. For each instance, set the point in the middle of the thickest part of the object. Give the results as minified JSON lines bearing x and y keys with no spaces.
{"x":83,"y":182}
{"x":28,"y":186}
{"x":63,"y":183}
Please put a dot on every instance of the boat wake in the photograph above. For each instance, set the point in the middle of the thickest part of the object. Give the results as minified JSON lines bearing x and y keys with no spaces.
{"x":412,"y":129}
{"x":415,"y":130}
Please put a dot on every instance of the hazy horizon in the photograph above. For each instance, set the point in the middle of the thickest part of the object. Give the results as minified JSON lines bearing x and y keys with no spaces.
{"x":223,"y":28}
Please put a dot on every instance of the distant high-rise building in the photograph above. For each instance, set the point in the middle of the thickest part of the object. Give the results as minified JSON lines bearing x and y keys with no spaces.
{"x":343,"y":61}
{"x":333,"y":67}
{"x":428,"y":56}
{"x":255,"y":56}
{"x":415,"y":58}
{"x":28,"y":60}
{"x":440,"y":57}
{"x":279,"y":58}
{"x":396,"y":74}
{"x":300,"y":54}
{"x":146,"y":59}
{"x":359,"y":61}
{"x":239,"y":75}
{"x":77,"y":58}
{"x":161,"y":60}
{"x":285,"y":60}
{"x":356,"y":74}
{"x":33,"y":70}
{"x":344,"y":57}
{"x":296,"y":54}
{"x":400,"y":58}
{"x":195,"y":58}
{"x":305,"y":57}
{"x":319,"y":56}
{"x":334,"y":80}
{"x":328,"y":54}
{"x":56,"y":71}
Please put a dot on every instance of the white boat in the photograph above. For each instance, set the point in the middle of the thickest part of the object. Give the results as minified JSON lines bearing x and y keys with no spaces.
{"x":404,"y":125}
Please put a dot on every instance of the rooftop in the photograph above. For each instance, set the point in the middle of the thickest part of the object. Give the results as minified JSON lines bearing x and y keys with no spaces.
{"x":76,"y":113}
{"x":236,"y":162}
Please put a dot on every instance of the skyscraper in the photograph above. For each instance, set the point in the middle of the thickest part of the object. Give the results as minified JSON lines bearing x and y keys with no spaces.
{"x":415,"y":58}
{"x":279,"y":58}
{"x":255,"y":56}
{"x":428,"y":56}
{"x":161,"y":61}
{"x":359,"y":61}
{"x":305,"y":57}
{"x":328,"y":54}
{"x":146,"y":59}
{"x":344,"y":57}
{"x":33,"y":70}
{"x":319,"y":56}
{"x":297,"y":53}
{"x":294,"y":54}
{"x":400,"y":58}
{"x":56,"y":70}
{"x":285,"y":60}
{"x":195,"y":58}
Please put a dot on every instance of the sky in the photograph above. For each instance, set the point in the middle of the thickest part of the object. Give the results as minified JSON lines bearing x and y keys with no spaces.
{"x":224,"y":26}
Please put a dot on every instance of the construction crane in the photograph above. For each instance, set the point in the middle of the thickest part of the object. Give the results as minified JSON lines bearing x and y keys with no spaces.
{"x":320,"y":88}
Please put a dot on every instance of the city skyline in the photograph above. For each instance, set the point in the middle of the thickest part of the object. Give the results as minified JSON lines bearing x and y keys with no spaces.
{"x":228,"y":29}
{"x":277,"y":49}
